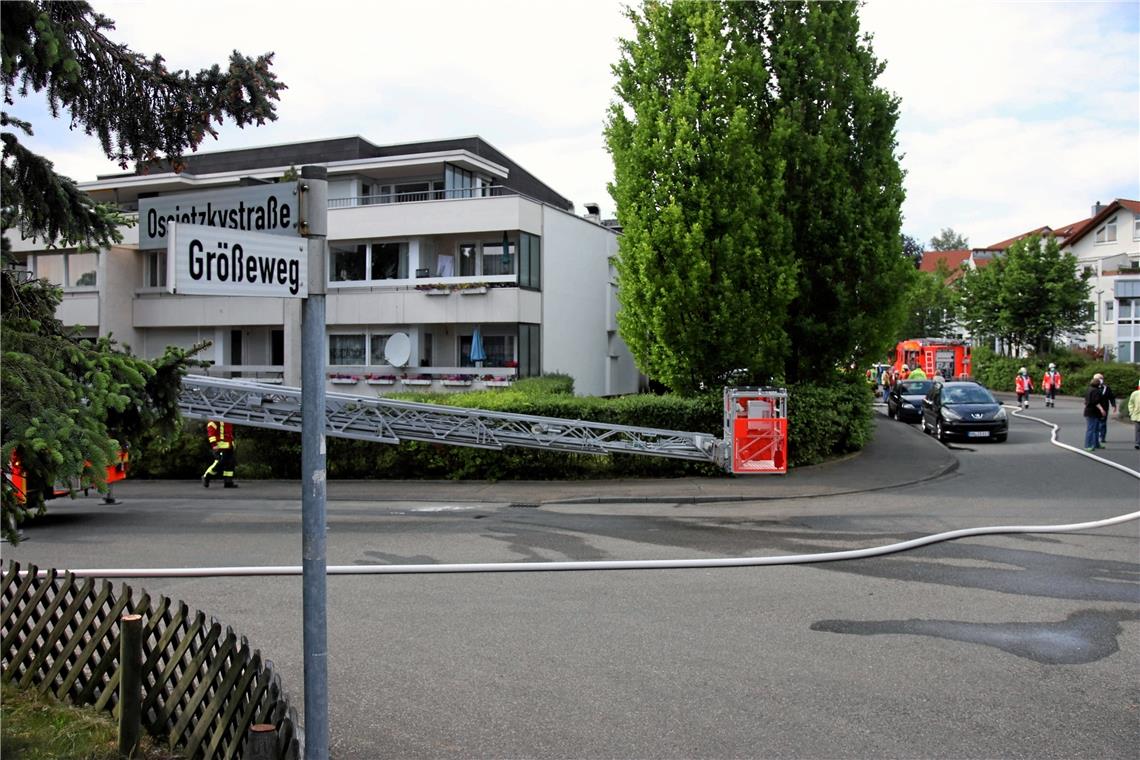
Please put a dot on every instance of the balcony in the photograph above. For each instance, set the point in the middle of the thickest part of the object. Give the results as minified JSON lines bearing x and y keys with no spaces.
{"x":494,"y":191}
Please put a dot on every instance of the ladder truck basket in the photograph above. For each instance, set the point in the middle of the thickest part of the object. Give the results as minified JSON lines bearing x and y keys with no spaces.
{"x":756,"y":427}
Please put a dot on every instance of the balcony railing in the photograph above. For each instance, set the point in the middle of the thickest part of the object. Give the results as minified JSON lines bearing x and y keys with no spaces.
{"x":494,"y":191}
{"x":357,"y":378}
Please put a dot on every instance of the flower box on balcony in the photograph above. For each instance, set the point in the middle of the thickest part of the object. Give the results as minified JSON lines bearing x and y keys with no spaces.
{"x":497,"y":383}
{"x":381,"y":380}
{"x":457,"y":383}
{"x":473,"y":291}
{"x":412,"y":381}
{"x":438,"y":291}
{"x":343,"y":380}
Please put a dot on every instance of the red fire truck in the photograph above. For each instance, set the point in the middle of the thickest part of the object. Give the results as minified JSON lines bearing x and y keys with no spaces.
{"x":115,"y":472}
{"x":949,"y":357}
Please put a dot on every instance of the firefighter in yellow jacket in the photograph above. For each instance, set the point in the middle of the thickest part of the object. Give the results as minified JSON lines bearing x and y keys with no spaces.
{"x":221,"y":436}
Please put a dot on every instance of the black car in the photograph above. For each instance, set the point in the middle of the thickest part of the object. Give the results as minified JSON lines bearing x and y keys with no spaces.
{"x":963,"y":409}
{"x":904,"y":402}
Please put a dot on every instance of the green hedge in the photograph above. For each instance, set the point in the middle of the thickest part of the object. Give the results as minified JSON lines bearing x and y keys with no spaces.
{"x":824,"y":422}
{"x":998,"y":372}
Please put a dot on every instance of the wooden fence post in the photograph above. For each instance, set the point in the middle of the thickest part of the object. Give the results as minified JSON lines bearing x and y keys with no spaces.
{"x":130,"y":683}
{"x":261,"y":742}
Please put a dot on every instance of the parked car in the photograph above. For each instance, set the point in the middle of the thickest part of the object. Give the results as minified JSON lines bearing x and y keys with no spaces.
{"x":963,"y":409}
{"x":904,"y":402}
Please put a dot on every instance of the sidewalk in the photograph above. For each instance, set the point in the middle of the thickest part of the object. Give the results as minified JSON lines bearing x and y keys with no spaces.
{"x":875,"y":467}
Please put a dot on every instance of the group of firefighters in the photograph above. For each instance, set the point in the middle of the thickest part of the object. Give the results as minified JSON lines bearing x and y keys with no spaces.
{"x":1050,"y":384}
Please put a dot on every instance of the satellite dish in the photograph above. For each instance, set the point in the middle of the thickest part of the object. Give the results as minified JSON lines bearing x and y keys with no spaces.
{"x":398,"y":349}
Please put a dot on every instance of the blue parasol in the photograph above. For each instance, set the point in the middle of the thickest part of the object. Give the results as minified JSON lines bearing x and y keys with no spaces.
{"x":478,"y":355}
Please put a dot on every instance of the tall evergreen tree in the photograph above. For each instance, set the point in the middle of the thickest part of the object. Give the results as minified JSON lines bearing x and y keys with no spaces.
{"x":705,"y":269}
{"x":843,"y":186}
{"x":68,"y":403}
{"x":758,"y":186}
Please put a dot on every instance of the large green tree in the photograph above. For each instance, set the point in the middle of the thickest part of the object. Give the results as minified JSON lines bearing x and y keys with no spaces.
{"x":1026,"y":297}
{"x":705,"y":267}
{"x":757,"y":183}
{"x":930,"y":305}
{"x":949,"y":240}
{"x":836,"y":129}
{"x":69,"y":403}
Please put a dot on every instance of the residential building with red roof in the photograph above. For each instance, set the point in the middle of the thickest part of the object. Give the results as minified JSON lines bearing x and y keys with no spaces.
{"x":1107,"y":244}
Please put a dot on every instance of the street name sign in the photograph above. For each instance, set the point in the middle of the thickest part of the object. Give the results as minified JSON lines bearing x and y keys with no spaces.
{"x":214,"y":261}
{"x":271,"y":209}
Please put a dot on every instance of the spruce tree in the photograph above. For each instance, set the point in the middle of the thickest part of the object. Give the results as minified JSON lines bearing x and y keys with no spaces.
{"x":69,"y":404}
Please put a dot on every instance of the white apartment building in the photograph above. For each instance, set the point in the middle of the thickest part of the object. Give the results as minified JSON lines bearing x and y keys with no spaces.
{"x":1108,"y":246}
{"x":429,"y":242}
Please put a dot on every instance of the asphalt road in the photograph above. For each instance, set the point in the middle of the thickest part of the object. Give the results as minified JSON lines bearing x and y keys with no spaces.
{"x":998,"y":646}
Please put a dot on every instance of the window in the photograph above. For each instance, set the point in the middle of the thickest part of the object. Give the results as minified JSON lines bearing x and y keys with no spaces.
{"x":530,"y":261}
{"x":50,"y":268}
{"x":367,"y":262}
{"x":389,"y":261}
{"x":1136,"y":228}
{"x":494,"y":262}
{"x":277,"y":348}
{"x":346,"y":350}
{"x":1108,"y":307}
{"x":1107,"y":233}
{"x":347,"y":262}
{"x":426,"y":352}
{"x":499,"y":349}
{"x":376,"y":346}
{"x":467,"y":260}
{"x":413,"y":191}
{"x":155,"y":274}
{"x":530,"y":350}
{"x":81,"y":269}
{"x":1090,"y":310}
{"x":236,"y":347}
{"x":1126,"y":350}
{"x":458,"y":183}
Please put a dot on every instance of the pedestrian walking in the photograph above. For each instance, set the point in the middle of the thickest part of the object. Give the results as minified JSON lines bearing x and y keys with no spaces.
{"x":221,"y":437}
{"x":1107,"y":399}
{"x":1093,"y":413}
{"x":1023,"y":384}
{"x":1050,"y":384}
{"x":1134,"y":412}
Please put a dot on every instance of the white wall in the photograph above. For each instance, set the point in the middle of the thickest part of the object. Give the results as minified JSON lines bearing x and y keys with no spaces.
{"x":466,"y":215}
{"x":575,"y":295}
{"x":1104,"y":259}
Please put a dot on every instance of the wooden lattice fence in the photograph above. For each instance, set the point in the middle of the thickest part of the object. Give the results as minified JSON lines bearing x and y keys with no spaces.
{"x":203,"y":686}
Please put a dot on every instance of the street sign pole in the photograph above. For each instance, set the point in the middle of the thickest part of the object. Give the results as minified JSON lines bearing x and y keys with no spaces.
{"x":314,"y":226}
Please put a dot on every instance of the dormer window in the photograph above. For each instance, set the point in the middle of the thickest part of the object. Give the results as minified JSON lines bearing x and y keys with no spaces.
{"x":1107,"y":233}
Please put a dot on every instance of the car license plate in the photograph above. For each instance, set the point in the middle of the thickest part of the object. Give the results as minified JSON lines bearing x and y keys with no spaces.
{"x":978,"y":434}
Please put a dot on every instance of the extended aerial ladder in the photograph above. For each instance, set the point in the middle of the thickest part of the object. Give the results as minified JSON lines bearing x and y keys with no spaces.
{"x":385,"y":420}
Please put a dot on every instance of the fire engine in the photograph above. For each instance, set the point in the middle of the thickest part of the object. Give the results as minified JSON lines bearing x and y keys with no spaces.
{"x":948,"y":357}
{"x":115,"y":472}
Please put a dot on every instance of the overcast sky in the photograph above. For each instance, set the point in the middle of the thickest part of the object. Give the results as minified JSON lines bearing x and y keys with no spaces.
{"x":1014,"y":115}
